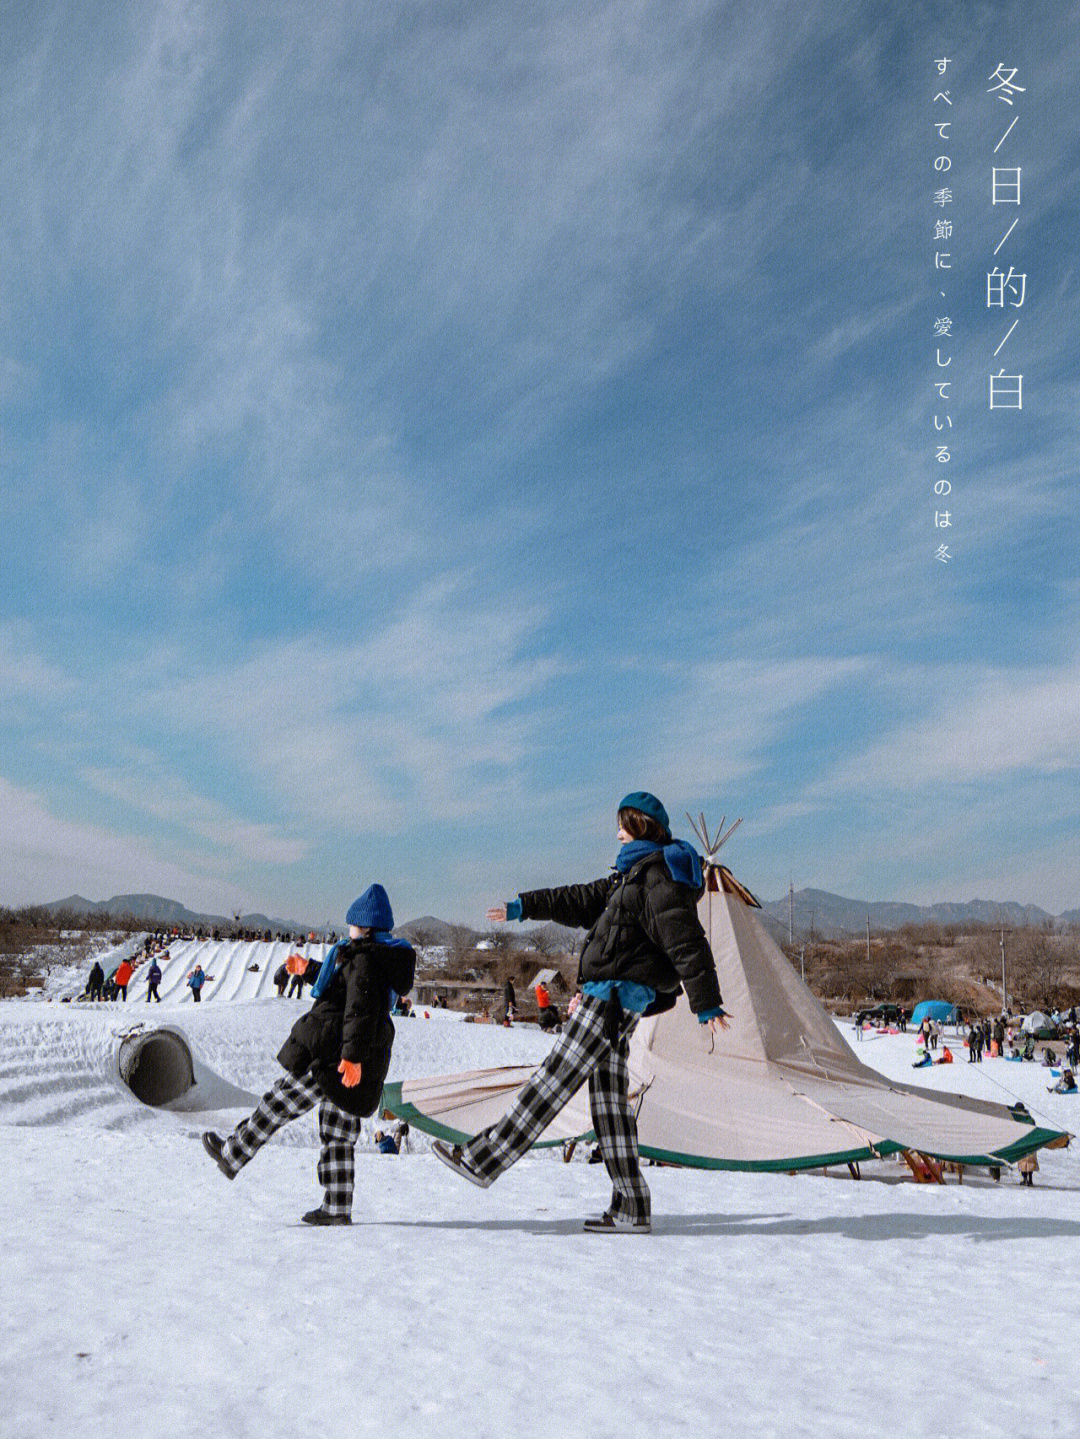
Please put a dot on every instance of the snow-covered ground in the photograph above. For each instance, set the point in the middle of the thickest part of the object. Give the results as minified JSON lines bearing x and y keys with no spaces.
{"x":144,"y":1292}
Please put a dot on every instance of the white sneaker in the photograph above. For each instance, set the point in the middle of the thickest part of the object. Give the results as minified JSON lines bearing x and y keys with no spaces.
{"x":617,"y":1224}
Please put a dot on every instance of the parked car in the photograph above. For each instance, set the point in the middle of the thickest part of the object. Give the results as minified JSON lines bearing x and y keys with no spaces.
{"x":879,"y":1014}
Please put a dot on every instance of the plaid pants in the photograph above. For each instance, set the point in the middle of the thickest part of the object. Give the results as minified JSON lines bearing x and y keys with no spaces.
{"x":338,"y":1131}
{"x":581,"y":1052}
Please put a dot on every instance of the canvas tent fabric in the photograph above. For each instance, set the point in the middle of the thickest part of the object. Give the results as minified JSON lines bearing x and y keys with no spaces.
{"x":1036,"y":1021}
{"x":938,"y":1009}
{"x":778,"y":1090}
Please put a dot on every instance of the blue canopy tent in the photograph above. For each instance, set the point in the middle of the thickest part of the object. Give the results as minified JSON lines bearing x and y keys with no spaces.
{"x":934,"y":1009}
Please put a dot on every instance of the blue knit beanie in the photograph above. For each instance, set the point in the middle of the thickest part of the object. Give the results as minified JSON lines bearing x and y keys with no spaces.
{"x":648,"y":804}
{"x":372,"y":910}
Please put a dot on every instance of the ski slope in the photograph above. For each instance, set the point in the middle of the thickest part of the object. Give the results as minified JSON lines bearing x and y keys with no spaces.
{"x":235,"y":969}
{"x":144,"y":1291}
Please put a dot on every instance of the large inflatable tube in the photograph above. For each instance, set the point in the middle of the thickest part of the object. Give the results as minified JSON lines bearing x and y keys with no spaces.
{"x":157,"y":1066}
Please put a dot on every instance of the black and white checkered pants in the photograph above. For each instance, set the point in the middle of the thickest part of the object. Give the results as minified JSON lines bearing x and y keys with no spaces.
{"x":338,"y":1131}
{"x":581,"y":1052}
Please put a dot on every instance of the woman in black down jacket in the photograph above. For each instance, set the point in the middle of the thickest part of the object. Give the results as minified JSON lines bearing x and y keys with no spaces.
{"x":336,"y":1055}
{"x":645,"y":941}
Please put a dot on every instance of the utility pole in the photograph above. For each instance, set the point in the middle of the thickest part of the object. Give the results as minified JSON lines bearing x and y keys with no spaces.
{"x":868,"y":936}
{"x":802,"y":961}
{"x":790,"y":911}
{"x":1004,"y":991}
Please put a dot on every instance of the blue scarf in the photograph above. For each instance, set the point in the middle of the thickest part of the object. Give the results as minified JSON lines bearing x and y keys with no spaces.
{"x":683,"y":862}
{"x":329,"y":964}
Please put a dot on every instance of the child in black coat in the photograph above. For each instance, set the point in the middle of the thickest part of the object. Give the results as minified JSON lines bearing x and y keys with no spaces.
{"x":336,"y":1055}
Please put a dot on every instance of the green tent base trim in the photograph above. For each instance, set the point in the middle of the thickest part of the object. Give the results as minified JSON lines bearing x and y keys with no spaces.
{"x":1032,"y":1139}
{"x":402,"y":1109}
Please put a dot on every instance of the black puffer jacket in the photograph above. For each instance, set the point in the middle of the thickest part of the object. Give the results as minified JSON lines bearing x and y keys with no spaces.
{"x":351,"y":1020}
{"x":643,"y":926}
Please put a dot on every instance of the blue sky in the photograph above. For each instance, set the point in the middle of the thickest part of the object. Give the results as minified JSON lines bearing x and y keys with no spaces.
{"x":422,"y":424}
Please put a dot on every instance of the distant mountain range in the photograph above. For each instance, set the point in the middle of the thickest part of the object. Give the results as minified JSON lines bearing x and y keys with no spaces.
{"x":830,"y":916}
{"x":156,"y":911}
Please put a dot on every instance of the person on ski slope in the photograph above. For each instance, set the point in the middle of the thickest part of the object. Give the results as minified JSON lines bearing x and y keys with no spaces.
{"x":196,"y":979}
{"x":644,"y":941}
{"x":336,"y":1055}
{"x":303,"y":971}
{"x":122,"y":977}
{"x":153,"y":979}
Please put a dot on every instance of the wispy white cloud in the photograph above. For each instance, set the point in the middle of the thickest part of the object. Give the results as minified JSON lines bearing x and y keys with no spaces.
{"x":855,"y":329}
{"x":423,"y":717}
{"x":167,"y":797}
{"x":24,"y":672}
{"x":992,"y":723}
{"x":724,"y":716}
{"x":47,"y":856}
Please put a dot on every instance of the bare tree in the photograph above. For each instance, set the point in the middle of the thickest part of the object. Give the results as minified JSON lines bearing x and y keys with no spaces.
{"x":461,"y":944}
{"x":1038,"y":963}
{"x":501,"y":940}
{"x":424,"y":935}
{"x":551,"y":939}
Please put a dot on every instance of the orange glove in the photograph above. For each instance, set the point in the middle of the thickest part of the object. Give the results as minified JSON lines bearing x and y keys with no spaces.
{"x":296,"y":964}
{"x":350,"y":1073}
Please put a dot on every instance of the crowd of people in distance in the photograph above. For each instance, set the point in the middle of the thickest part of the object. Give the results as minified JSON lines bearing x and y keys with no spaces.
{"x":163,"y":937}
{"x":1010,"y":1041}
{"x":1001,"y":1038}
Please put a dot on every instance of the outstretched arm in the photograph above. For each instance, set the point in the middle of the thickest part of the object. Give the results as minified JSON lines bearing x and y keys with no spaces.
{"x":578,"y":906}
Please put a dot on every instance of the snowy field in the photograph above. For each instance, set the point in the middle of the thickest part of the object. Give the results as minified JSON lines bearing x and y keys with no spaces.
{"x":143,"y":1292}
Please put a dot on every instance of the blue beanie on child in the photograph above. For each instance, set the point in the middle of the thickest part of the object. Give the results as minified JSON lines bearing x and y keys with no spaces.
{"x":648,"y":804}
{"x":372,"y":910}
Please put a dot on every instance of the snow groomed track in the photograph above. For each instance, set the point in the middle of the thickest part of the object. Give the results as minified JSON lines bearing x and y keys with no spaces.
{"x":235,"y":969}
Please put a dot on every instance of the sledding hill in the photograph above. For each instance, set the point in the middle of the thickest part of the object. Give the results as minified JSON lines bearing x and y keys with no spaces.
{"x":235,"y":969}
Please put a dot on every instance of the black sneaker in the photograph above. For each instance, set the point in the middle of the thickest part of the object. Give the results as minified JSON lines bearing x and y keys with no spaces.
{"x":320,"y":1216}
{"x":452,"y":1158}
{"x":214,"y":1144}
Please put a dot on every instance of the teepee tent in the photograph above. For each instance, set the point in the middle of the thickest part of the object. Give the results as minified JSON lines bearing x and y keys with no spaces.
{"x":778,"y":1090}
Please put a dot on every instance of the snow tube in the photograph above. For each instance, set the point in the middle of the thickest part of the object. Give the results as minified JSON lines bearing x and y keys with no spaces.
{"x":156,"y":1066}
{"x":159,"y":1069}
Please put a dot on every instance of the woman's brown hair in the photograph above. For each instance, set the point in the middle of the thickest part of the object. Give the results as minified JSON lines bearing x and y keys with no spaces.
{"x":643,"y":826}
